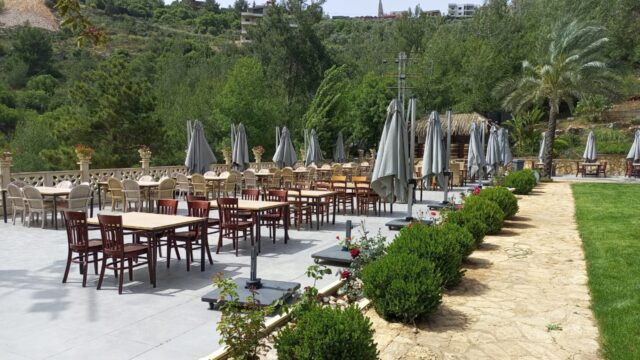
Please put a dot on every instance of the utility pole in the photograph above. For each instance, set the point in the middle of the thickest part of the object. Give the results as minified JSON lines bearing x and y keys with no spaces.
{"x":402,"y":78}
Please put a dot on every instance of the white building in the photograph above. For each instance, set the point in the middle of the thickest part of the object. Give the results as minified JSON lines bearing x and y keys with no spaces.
{"x":462,"y":10}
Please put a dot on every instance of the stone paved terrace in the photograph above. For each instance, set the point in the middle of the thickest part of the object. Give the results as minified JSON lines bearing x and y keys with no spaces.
{"x":43,"y":318}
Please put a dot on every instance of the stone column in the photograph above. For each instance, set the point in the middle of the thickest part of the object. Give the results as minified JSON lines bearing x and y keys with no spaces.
{"x":145,"y":160}
{"x":83,"y":162}
{"x":6,"y":158}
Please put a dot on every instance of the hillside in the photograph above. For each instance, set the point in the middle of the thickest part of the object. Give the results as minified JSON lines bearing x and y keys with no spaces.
{"x":33,"y":12}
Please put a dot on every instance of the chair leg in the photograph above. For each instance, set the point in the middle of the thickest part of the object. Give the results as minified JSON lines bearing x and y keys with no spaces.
{"x":169,"y":251}
{"x":66,"y":270}
{"x":85,"y":268}
{"x":219,"y":241}
{"x":208,"y":250}
{"x":102,"y":270}
{"x":121,"y":279}
{"x":95,"y":262}
{"x":189,"y":254}
{"x":130,"y":268}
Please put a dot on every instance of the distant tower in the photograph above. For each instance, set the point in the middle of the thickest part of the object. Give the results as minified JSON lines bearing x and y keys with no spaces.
{"x":380,"y":11}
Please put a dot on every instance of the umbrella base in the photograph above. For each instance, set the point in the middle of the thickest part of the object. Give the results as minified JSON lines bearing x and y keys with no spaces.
{"x":333,"y":254}
{"x":437,"y":205}
{"x":398,"y":224}
{"x":270,"y":292}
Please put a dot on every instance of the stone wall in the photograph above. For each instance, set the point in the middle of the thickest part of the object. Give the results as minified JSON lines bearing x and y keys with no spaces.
{"x":616,"y":165}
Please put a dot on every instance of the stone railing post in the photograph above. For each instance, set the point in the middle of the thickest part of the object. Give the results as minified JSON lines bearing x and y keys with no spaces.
{"x":145,"y":160}
{"x":84,"y":162}
{"x":5,"y":169}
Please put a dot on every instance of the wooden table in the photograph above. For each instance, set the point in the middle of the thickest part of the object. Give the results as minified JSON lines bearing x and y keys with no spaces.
{"x":53,"y":192}
{"x":262,"y":177}
{"x":317,"y":196}
{"x":588,"y":169}
{"x":154,"y":224}
{"x":256,"y":207}
{"x":142,"y":184}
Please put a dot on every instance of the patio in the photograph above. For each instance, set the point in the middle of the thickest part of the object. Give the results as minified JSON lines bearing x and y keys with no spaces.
{"x":47,"y":319}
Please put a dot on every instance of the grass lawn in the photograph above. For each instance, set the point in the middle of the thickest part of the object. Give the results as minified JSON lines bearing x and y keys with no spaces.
{"x":608,"y":217}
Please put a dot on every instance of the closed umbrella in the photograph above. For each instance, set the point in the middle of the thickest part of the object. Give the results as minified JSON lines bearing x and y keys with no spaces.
{"x":433,"y":159}
{"x":189,"y":132}
{"x":505,"y":150}
{"x":590,"y":153}
{"x":634,"y":152}
{"x":543,"y":143}
{"x":277,"y":136}
{"x":199,"y":154}
{"x":314,"y":153}
{"x":493,"y":159}
{"x":391,"y":171}
{"x":233,"y":136}
{"x":285,"y":153}
{"x":338,"y":153}
{"x":240,"y":151}
{"x":475,"y":157}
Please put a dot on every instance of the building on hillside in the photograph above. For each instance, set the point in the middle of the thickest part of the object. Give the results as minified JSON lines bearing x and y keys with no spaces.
{"x":434,"y":13}
{"x":250,"y":18}
{"x":460,"y":126}
{"x":462,"y":10}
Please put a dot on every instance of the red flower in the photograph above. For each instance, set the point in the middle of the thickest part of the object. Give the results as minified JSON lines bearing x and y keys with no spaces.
{"x":345,"y":274}
{"x":433,"y":213}
{"x":355,"y":252}
{"x":410,"y":225}
{"x":337,"y":237}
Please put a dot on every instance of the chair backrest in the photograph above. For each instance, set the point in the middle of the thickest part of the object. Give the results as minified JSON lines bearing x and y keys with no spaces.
{"x":250,"y":179}
{"x":33,"y":197}
{"x":165,"y":188}
{"x":325,"y":166}
{"x":167,"y":207}
{"x":197,"y":179}
{"x":79,"y":197}
{"x":112,"y":234}
{"x":210,"y":173}
{"x":224,"y":174}
{"x":146,"y":178}
{"x":15,"y":195}
{"x":275,"y":180}
{"x":131,"y":190}
{"x":273,"y":170}
{"x":65,"y":184}
{"x":358,"y":179}
{"x":19,"y":183}
{"x":338,"y":178}
{"x":198,"y":208}
{"x":264,"y":171}
{"x":230,"y":183}
{"x":196,"y":198}
{"x":115,"y":187}
{"x":182,"y":182}
{"x":227,"y":211}
{"x":77,"y":230}
{"x":336,"y":169}
{"x":251,"y":194}
{"x":277,"y":195}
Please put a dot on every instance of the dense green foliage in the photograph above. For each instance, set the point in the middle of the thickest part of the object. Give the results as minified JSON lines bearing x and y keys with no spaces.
{"x":436,"y":244}
{"x":335,"y":75}
{"x":522,"y":181}
{"x":327,"y":333}
{"x":489,"y":212}
{"x":470,"y":221}
{"x":403,"y":286}
{"x":503,"y":198}
{"x":608,"y":218}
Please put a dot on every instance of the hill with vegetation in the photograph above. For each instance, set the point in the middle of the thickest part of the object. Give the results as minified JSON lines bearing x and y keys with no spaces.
{"x":165,"y":64}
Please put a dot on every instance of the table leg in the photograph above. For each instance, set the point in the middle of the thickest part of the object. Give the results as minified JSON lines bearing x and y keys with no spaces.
{"x":335,"y":201}
{"x":4,"y":205}
{"x":99,"y":196}
{"x":55,"y":212}
{"x":154,"y":257}
{"x":203,"y":242}
{"x":318,"y":204}
{"x":258,"y":234}
{"x":91,"y":204}
{"x":286,"y":223}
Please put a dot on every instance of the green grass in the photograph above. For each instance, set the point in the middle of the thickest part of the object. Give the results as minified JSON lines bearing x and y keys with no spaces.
{"x":608,"y":217}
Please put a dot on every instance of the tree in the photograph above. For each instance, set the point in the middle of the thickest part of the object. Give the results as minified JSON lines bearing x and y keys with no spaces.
{"x":33,"y":47}
{"x":573,"y":68}
{"x":240,"y":6}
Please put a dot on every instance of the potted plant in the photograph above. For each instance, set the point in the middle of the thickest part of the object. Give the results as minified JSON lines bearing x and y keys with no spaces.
{"x":257,"y":153}
{"x":6,"y":153}
{"x":144,"y":151}
{"x":84,"y":152}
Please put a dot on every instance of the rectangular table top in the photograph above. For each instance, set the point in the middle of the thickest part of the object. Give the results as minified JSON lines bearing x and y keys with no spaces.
{"x":151,"y":222}
{"x":312,"y":193}
{"x":148,"y":183}
{"x":254,"y":205}
{"x":51,"y":191}
{"x":264,"y":174}
{"x":590,"y":164}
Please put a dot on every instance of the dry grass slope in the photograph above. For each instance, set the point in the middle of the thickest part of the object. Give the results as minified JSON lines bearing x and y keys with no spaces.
{"x":34,"y":12}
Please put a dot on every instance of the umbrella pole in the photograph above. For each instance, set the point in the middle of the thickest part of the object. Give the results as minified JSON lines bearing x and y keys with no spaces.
{"x":412,"y":147}
{"x":446,"y":164}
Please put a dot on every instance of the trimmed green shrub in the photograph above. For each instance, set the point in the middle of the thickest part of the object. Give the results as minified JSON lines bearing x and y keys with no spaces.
{"x":327,"y":333}
{"x":429,"y":242}
{"x":503,"y":197}
{"x":523,"y":181}
{"x":403,"y":286}
{"x":487,"y":211}
{"x":459,"y":234}
{"x":471,"y":222}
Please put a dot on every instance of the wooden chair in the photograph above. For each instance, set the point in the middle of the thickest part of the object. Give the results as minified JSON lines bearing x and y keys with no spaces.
{"x":36,"y":205}
{"x":272,"y":218}
{"x":192,"y":236}
{"x":17,"y":201}
{"x":580,"y":169}
{"x":231,"y":223}
{"x":603,"y":169}
{"x":78,"y":242}
{"x":300,"y":208}
{"x":114,"y":248}
{"x":366,"y":198}
{"x":339,"y":185}
{"x":117,"y":196}
{"x":164,"y":207}
{"x":212,"y":224}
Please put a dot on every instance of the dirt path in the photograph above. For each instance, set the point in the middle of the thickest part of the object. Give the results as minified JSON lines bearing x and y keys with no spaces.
{"x":527,"y":279}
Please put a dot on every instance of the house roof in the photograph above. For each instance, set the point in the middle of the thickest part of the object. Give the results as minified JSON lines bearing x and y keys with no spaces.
{"x":460,"y":123}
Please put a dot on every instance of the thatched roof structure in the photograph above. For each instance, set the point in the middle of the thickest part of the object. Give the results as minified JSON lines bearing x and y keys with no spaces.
{"x":460,"y":123}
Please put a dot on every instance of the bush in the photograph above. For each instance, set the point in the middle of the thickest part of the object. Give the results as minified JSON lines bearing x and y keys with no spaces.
{"x":469,"y":221}
{"x":486,"y":211}
{"x":327,"y":333}
{"x":459,"y":234}
{"x":523,"y":181}
{"x":403,"y":286}
{"x":430,"y":243}
{"x":504,"y":198}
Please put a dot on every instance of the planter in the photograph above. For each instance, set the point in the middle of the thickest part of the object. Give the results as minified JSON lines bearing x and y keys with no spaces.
{"x":258,"y":157}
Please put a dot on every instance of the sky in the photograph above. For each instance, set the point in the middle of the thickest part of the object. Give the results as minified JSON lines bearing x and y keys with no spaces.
{"x":370,"y":7}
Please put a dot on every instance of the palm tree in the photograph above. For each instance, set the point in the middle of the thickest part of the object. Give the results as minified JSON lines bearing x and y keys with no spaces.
{"x":572,"y":69}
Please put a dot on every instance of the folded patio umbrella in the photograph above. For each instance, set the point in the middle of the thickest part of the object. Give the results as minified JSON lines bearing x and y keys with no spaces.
{"x":240,"y":150}
{"x":590,"y":153}
{"x":314,"y":153}
{"x":634,"y":152}
{"x":189,"y":132}
{"x":285,"y":153}
{"x":199,"y":154}
{"x":543,"y":143}
{"x":475,"y":157}
{"x":233,"y":135}
{"x":391,"y":171}
{"x":434,"y":157}
{"x":338,"y":153}
{"x":505,"y":150}
{"x":277,"y":136}
{"x":493,"y":152}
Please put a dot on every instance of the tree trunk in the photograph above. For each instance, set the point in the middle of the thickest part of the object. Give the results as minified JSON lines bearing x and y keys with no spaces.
{"x":550,"y":137}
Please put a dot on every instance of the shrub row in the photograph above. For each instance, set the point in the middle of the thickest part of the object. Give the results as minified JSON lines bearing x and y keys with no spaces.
{"x":523,"y":181}
{"x":503,"y":198}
